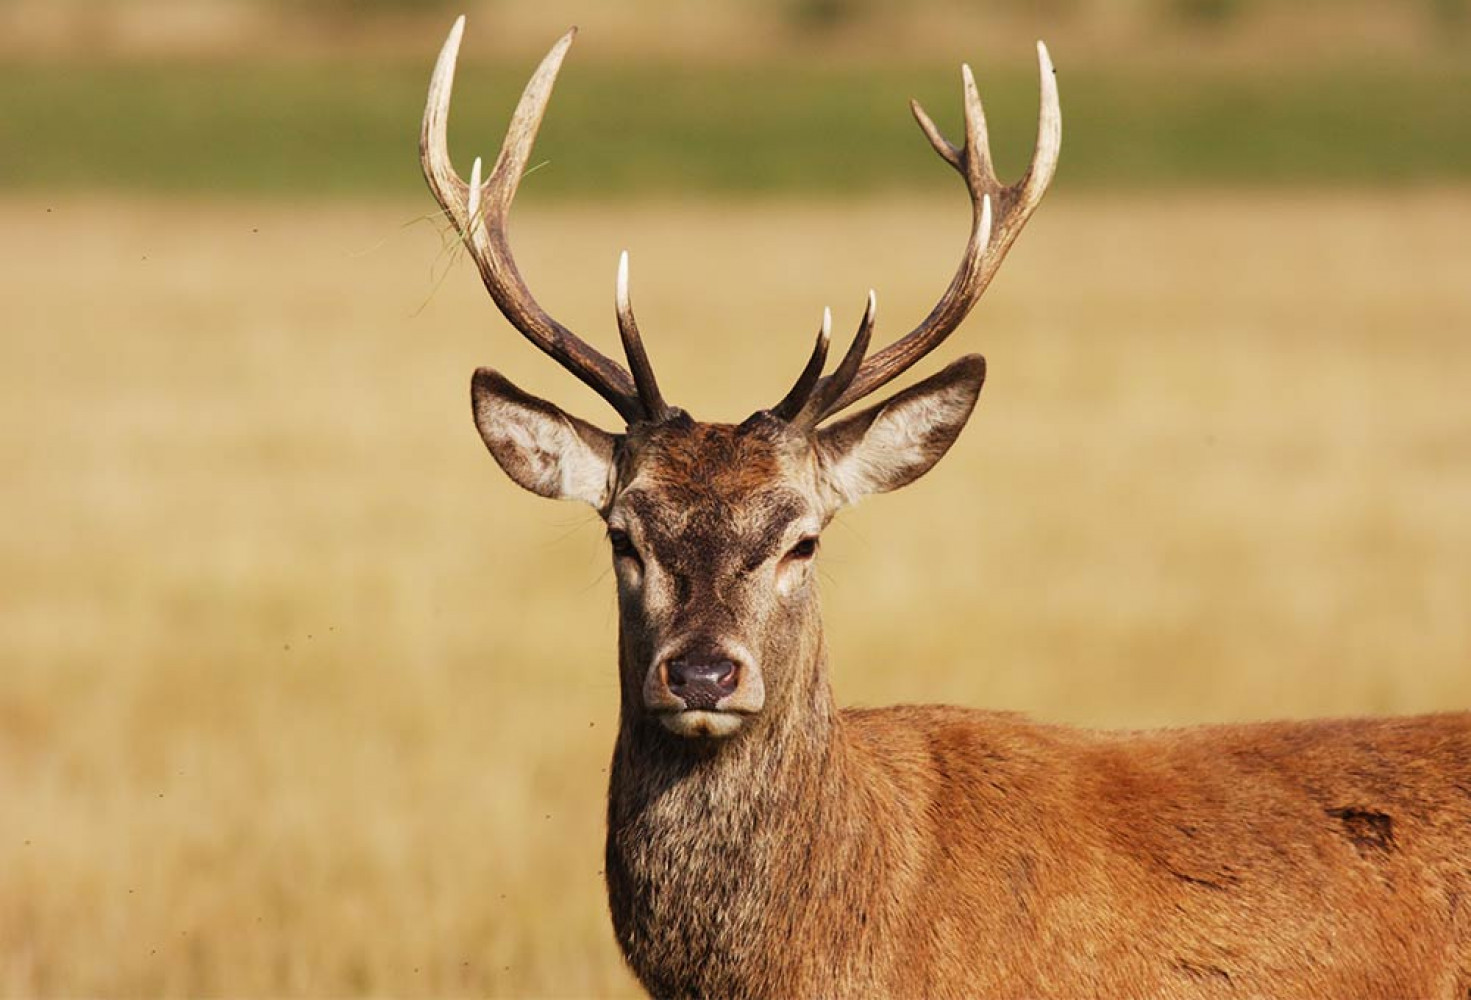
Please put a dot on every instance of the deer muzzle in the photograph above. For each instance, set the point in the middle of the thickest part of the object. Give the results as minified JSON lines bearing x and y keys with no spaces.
{"x":704,"y":690}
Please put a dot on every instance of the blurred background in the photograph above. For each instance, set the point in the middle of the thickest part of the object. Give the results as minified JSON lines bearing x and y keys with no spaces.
{"x":300,"y":696}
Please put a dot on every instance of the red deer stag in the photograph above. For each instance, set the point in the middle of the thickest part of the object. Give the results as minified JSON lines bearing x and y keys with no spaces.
{"x":761,"y":842}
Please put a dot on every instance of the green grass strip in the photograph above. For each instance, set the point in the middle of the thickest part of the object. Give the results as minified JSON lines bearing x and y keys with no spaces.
{"x":351,"y":129}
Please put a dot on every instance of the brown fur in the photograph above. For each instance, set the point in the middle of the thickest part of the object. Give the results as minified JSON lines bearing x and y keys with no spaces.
{"x":931,"y":851}
{"x":762,"y":844}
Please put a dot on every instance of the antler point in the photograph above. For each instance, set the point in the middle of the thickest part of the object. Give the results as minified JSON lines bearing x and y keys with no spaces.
{"x":452,"y":40}
{"x":472,"y":204}
{"x":623,"y":280}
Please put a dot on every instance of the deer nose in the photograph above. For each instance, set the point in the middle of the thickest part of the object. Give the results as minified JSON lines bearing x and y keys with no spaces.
{"x":701,"y":681}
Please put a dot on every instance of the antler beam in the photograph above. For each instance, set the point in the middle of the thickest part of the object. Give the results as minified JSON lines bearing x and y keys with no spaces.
{"x":990,"y":238}
{"x":479,"y":211}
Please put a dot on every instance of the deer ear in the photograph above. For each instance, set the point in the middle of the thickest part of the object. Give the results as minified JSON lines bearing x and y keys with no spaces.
{"x":547,"y":451}
{"x":894,"y":443}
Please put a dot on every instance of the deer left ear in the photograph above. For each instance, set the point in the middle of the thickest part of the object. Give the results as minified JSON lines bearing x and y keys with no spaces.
{"x":549,"y":452}
{"x":894,"y":443}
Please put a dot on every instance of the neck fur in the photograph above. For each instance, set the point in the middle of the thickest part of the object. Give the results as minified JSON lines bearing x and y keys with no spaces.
{"x":706,"y":840}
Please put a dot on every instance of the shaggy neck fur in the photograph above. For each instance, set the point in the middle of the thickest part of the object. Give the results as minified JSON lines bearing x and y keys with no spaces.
{"x":720,"y":855}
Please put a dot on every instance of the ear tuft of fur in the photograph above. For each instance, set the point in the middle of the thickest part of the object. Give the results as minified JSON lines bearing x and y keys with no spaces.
{"x":544,"y":450}
{"x":895,"y":442}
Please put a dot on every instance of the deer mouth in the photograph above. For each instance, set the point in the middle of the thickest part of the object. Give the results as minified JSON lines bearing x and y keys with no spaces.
{"x":704,"y":692}
{"x":702,"y":723}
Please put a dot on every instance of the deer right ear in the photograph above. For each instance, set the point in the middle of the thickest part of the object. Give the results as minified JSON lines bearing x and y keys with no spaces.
{"x":549,"y":452}
{"x":894,"y":443}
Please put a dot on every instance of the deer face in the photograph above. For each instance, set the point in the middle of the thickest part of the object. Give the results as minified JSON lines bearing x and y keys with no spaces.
{"x":714,"y":531}
{"x":714,"y":527}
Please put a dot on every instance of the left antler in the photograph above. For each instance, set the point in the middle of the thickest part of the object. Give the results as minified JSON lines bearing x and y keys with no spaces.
{"x":479,"y":211}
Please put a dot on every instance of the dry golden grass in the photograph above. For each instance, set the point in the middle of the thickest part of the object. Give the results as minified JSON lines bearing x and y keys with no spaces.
{"x":1262,"y":33}
{"x":301,"y":696}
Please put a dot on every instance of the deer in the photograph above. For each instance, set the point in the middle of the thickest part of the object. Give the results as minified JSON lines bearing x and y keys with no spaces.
{"x":762,"y":842}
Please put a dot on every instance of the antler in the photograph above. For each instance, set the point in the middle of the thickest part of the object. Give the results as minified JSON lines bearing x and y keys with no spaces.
{"x":1013,"y":205}
{"x":479,"y":211}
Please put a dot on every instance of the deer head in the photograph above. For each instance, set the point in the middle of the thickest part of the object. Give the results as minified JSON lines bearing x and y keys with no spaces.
{"x":714,"y":528}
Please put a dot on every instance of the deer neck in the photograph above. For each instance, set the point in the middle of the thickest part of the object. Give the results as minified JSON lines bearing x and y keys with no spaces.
{"x":705,"y":840}
{"x":772,"y":761}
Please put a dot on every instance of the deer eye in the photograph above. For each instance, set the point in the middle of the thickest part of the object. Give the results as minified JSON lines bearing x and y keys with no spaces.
{"x":622,"y":544}
{"x":805,"y":549}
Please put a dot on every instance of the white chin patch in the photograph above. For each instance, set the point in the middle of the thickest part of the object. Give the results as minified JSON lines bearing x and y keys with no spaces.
{"x":711,"y":725}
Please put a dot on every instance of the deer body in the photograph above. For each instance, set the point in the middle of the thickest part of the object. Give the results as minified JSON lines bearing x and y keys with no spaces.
{"x":930,"y":851}
{"x":762,"y":843}
{"x":936,"y":851}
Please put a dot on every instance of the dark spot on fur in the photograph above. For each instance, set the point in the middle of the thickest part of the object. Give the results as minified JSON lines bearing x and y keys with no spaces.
{"x":1370,"y":832}
{"x":1023,"y":878}
{"x":1220,"y":881}
{"x":1201,"y":971}
{"x":1196,"y":880}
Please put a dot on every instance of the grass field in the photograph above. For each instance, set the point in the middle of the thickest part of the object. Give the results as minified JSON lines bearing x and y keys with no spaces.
{"x":349,"y":127}
{"x":275,"y":716}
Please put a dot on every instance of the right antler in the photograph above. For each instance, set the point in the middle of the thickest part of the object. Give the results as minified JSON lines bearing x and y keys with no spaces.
{"x":819,"y":398}
{"x":479,"y":213}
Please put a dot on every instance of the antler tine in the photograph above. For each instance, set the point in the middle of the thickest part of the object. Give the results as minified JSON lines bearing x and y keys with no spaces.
{"x":796,"y":398}
{"x":444,"y":183}
{"x":479,"y":213}
{"x":633,"y":347}
{"x":988,"y":244}
{"x":1049,"y":131}
{"x":827,"y":391}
